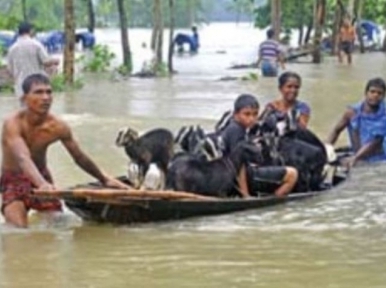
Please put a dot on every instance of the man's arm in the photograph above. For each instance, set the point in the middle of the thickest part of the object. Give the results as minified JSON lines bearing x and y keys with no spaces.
{"x":44,"y":58}
{"x":80,"y":158}
{"x":16,"y":145}
{"x":259,"y":59}
{"x":84,"y":162}
{"x":368,"y":149}
{"x":340,"y":126}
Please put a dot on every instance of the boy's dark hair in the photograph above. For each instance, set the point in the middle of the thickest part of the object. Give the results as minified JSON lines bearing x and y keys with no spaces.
{"x":270,"y":33}
{"x":376,"y":82}
{"x":25,"y":28}
{"x":244,"y":101}
{"x":34,"y":79}
{"x":283,"y":78}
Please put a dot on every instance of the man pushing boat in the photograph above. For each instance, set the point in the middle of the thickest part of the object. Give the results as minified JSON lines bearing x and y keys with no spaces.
{"x":26,"y":136}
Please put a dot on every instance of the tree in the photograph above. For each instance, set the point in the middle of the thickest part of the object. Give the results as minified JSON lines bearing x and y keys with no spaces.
{"x":157,"y":34}
{"x":358,"y":9}
{"x":171,"y":36}
{"x":69,"y":48}
{"x":124,"y":36}
{"x":275,"y":17}
{"x":24,"y":10}
{"x":91,"y":15}
{"x":320,"y":15}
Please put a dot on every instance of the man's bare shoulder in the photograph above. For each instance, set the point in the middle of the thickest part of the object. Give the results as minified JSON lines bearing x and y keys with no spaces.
{"x":12,"y":119}
{"x":60,"y":125}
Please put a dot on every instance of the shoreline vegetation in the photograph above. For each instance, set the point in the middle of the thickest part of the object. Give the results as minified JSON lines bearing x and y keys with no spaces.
{"x":316,"y":23}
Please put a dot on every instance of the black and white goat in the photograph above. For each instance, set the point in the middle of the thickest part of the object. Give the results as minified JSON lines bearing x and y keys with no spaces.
{"x":214,"y":178}
{"x":155,"y":146}
{"x":294,"y":146}
{"x":193,"y":140}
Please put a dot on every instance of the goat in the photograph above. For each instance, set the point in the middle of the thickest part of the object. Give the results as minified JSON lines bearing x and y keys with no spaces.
{"x":155,"y":146}
{"x":294,"y":146}
{"x":193,"y":140}
{"x":214,"y":178}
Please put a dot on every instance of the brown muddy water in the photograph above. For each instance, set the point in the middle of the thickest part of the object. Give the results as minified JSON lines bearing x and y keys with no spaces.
{"x":336,"y":240}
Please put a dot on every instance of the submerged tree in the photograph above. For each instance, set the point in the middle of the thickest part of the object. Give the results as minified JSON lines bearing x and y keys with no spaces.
{"x":157,"y":34}
{"x":171,"y":36}
{"x":69,"y":48}
{"x":275,"y":17}
{"x":320,"y":15}
{"x":91,"y":15}
{"x":127,"y":63}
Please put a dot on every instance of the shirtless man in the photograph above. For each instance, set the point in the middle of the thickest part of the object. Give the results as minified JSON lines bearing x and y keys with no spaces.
{"x":346,"y":41}
{"x":26,"y":136}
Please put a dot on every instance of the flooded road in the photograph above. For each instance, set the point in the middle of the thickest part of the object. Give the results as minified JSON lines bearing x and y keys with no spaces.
{"x":336,"y":240}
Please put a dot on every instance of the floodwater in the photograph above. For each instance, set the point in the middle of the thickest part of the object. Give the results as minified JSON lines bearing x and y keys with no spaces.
{"x":336,"y":240}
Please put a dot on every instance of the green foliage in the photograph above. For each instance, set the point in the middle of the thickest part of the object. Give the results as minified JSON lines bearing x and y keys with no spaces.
{"x":99,"y":60}
{"x":299,"y":13}
{"x":2,"y":53}
{"x":375,"y":10}
{"x":161,"y":70}
{"x":251,"y":76}
{"x":58,"y":84}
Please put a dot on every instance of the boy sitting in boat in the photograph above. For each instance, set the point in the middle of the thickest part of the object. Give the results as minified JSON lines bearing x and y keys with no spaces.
{"x":245,"y":113}
{"x":366,"y":124}
{"x":27,"y":134}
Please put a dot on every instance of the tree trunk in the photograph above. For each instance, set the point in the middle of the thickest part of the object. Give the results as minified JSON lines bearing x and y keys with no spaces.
{"x":157,"y":33}
{"x":358,"y":14}
{"x":24,"y":10}
{"x":154,"y":31}
{"x":91,"y":16}
{"x":310,"y":27}
{"x":69,"y":47}
{"x":384,"y":44}
{"x":190,"y":12}
{"x":301,"y":35}
{"x":336,"y":29}
{"x":275,"y":17}
{"x":320,"y":13}
{"x":124,"y":36}
{"x":171,"y":37}
{"x":351,"y":8}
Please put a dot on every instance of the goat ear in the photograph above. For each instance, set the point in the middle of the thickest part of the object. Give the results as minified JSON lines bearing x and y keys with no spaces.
{"x":135,"y":134}
{"x":120,"y":137}
{"x":131,"y":133}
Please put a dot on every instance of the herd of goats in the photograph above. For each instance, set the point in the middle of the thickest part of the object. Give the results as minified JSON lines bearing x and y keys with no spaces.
{"x":193,"y":160}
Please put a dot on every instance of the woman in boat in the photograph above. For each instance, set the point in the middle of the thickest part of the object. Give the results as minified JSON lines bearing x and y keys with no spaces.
{"x":289,"y":85}
{"x":366,"y":125}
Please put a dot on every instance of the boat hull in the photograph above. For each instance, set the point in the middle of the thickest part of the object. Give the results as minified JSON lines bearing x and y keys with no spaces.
{"x":129,"y":211}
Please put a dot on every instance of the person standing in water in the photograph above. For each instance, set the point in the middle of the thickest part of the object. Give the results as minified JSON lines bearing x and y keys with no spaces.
{"x":27,"y":56}
{"x":270,"y":56}
{"x":346,"y":41}
{"x":365,"y":122}
{"x":27,"y":134}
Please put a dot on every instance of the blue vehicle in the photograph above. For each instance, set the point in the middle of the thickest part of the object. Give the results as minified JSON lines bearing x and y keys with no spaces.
{"x":191,"y":40}
{"x":6,"y":40}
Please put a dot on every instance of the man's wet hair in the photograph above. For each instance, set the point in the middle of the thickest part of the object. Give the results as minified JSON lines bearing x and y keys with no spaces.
{"x":34,"y":79}
{"x":245,"y":101}
{"x":270,"y":33}
{"x":25,"y":28}
{"x":283,"y":78}
{"x":376,"y":82}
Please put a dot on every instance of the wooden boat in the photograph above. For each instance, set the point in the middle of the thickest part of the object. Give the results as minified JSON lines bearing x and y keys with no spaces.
{"x":150,"y":208}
